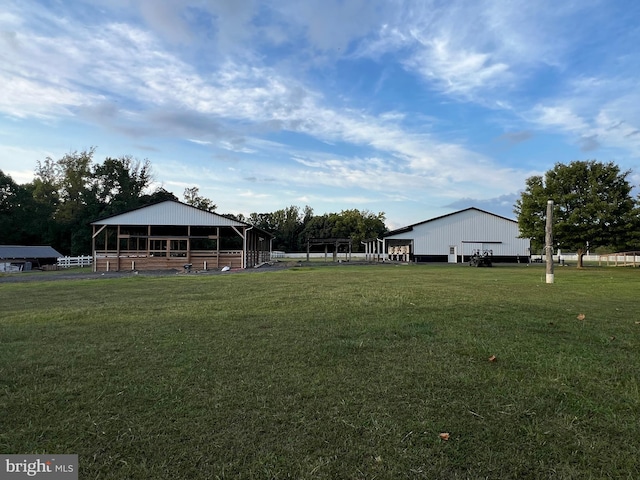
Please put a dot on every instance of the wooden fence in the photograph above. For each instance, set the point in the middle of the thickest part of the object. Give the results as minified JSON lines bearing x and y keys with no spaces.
{"x":112,"y":260}
{"x":621,"y":259}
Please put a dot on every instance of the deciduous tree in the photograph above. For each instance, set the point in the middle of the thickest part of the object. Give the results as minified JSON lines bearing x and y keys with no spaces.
{"x":192,"y":197}
{"x":20,"y":222}
{"x":593,"y":206}
{"x":119,"y":184}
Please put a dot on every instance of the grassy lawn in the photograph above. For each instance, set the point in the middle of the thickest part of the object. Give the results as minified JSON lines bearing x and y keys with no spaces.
{"x":333,"y":372}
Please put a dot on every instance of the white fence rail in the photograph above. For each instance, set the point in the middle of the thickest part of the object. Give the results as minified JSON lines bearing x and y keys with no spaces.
{"x":623,"y":259}
{"x":566,"y":257}
{"x":81,"y":261}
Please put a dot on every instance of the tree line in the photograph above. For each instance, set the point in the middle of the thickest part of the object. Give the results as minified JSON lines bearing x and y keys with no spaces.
{"x":594,"y":208}
{"x":68,"y":194}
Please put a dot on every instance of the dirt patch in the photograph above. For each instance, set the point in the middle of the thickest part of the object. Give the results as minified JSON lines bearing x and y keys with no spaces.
{"x":80,"y":274}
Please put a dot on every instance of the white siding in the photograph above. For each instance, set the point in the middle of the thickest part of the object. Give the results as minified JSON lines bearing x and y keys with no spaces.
{"x":468,"y":230}
{"x":170,"y":213}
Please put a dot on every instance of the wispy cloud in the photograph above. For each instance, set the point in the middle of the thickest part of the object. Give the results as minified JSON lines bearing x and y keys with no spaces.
{"x":559,"y":116}
{"x":165,"y":94}
{"x":400,"y":100}
{"x":458,"y":71}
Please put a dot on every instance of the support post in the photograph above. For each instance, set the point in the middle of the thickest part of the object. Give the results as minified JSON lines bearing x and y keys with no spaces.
{"x":118,"y":249}
{"x":549,"y":241}
{"x":93,"y":249}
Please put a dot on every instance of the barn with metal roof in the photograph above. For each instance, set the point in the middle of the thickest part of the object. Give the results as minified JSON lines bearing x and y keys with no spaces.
{"x":457,"y":236}
{"x":173,"y":235}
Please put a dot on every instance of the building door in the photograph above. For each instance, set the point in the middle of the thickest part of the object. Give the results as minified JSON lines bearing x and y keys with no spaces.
{"x":453,"y":254}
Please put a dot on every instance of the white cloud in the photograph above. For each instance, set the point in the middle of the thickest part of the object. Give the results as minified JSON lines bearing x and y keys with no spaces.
{"x":235,"y":147}
{"x":559,"y":116}
{"x":199,"y":142}
{"x":252,"y":194}
{"x":606,"y":118}
{"x":482,"y":51}
{"x":458,"y":71}
{"x":24,"y":97}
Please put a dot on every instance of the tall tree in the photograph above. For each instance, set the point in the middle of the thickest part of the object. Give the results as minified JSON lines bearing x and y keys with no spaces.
{"x":65,"y":185}
{"x":320,"y":226}
{"x":192,"y":197}
{"x":158,"y":195}
{"x":359,"y":225}
{"x":354,"y":224}
{"x":263,"y":221}
{"x":71,"y":192}
{"x":20,"y":218}
{"x":44,"y":190}
{"x":119,"y":184}
{"x":593,"y":207}
{"x":285,"y":224}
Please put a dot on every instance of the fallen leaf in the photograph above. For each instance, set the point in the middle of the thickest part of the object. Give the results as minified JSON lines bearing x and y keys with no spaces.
{"x":581,"y":316}
{"x":444,"y":436}
{"x":492,"y":358}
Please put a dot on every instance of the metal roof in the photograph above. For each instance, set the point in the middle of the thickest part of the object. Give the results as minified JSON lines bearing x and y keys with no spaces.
{"x":170,"y":212}
{"x":22,"y":252}
{"x":410,"y":227}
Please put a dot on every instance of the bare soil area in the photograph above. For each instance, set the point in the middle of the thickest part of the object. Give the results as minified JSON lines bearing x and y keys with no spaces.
{"x":87,"y":274}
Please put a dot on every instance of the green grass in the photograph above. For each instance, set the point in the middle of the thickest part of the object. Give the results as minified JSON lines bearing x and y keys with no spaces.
{"x":328,"y":372}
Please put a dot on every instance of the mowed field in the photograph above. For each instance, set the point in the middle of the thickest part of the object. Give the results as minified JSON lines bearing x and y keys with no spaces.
{"x":328,"y":372}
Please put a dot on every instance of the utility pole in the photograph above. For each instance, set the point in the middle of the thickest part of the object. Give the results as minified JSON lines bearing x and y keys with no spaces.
{"x":549,"y":241}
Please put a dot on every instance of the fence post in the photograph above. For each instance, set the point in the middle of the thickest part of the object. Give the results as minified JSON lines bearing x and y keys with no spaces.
{"x":549,"y":241}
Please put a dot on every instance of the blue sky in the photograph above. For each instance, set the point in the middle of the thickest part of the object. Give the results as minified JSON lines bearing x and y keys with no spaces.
{"x":412,"y":108}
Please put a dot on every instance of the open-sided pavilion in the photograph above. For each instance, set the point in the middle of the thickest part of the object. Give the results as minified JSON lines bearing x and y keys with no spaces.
{"x":174,"y":235}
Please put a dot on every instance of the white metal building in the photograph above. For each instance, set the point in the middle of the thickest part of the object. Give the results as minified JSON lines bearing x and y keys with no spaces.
{"x":455,"y":237}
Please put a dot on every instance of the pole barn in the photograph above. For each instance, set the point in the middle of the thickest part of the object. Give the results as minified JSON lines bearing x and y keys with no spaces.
{"x":456,"y":237}
{"x":174,"y":235}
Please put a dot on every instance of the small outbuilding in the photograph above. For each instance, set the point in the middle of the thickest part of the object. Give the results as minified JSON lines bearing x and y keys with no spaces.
{"x":174,"y":235}
{"x":20,"y":257}
{"x":456,"y":237}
